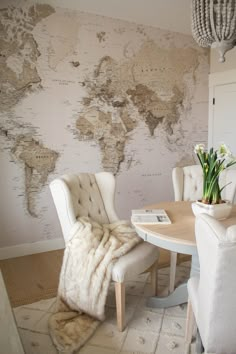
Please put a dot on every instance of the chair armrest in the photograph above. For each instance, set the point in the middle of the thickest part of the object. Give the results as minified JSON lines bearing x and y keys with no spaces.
{"x":106,"y":184}
{"x":64,"y":206}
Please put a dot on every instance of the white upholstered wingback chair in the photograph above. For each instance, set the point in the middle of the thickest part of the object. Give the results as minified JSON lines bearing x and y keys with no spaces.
{"x":93,"y":195}
{"x":212,"y":301}
{"x":187,"y":182}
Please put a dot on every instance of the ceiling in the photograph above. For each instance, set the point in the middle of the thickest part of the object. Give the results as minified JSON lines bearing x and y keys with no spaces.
{"x":174,"y":15}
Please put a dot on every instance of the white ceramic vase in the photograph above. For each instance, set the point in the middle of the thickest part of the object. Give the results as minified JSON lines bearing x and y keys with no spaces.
{"x":217,"y":211}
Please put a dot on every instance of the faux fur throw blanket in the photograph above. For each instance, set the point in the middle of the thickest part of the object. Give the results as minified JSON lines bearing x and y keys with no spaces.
{"x":85,"y":278}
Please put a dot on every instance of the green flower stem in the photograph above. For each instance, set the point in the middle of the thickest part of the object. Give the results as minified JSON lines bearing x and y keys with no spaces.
{"x":213,"y":163}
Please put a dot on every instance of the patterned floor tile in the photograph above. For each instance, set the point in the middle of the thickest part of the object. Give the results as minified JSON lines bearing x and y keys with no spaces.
{"x":111,"y":315}
{"x":134,"y":352}
{"x":134,"y":288}
{"x":27,"y":318}
{"x":146,"y":321}
{"x":36,"y":343}
{"x":42,"y":325}
{"x":52,"y":308}
{"x":170,"y":344}
{"x":111,"y":299}
{"x":141,"y":277}
{"x":142,"y":306}
{"x":42,"y":305}
{"x":148,"y":331}
{"x":162,"y":277}
{"x":130,"y":300}
{"x":173,"y":325}
{"x":89,"y":349}
{"x":140,"y":341}
{"x":107,"y":335}
{"x":162,"y":290}
{"x":179,"y":311}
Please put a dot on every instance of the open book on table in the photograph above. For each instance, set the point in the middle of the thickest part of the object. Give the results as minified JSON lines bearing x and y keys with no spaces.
{"x":150,"y":216}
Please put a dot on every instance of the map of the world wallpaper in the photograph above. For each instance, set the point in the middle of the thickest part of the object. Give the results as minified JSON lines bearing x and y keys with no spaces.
{"x":86,"y":93}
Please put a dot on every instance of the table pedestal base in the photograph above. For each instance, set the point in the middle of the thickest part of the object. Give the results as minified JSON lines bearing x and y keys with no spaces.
{"x":179,"y":296}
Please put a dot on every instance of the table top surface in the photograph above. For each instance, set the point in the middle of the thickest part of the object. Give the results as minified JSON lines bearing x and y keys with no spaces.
{"x":181,"y":229}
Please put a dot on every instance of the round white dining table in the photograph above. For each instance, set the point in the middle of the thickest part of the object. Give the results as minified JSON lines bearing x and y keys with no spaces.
{"x":179,"y":236}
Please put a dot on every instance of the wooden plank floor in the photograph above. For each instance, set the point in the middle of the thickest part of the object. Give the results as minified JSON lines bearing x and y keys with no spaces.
{"x":32,"y":278}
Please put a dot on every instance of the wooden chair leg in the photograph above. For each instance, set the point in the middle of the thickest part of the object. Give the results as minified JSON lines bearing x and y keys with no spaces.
{"x":173,"y":262}
{"x":120,"y":305}
{"x":190,"y":322}
{"x":154,"y":278}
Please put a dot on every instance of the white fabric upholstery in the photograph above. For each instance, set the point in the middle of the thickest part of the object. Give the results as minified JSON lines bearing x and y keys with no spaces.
{"x":84,"y":195}
{"x":228,"y":178}
{"x":93,"y":195}
{"x":187,"y":182}
{"x":213,"y":299}
{"x":193,"y":285}
{"x":135,"y":262}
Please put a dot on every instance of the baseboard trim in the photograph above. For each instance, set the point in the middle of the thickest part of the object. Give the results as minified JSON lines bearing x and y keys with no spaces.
{"x":31,"y":248}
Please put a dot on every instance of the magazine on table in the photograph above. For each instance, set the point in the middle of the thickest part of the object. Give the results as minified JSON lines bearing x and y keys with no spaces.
{"x":150,"y":216}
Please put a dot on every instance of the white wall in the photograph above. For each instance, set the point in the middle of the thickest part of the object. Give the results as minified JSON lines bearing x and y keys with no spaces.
{"x":229,"y":64}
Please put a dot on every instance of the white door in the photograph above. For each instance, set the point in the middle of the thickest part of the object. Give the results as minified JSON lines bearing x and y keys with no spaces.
{"x":223,"y":122}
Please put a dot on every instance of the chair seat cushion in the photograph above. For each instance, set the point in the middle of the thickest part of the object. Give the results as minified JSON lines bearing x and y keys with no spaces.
{"x":139,"y":259}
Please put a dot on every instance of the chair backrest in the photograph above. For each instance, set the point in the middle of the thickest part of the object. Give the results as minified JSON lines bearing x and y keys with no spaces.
{"x":228,"y":178}
{"x":216,"y":309}
{"x":187,"y":182}
{"x":84,"y":195}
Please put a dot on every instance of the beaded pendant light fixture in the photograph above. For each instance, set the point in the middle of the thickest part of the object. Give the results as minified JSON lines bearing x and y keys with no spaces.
{"x":214,"y":24}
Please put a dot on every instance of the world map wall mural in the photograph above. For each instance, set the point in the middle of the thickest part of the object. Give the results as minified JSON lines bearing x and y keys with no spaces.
{"x":86,"y":93}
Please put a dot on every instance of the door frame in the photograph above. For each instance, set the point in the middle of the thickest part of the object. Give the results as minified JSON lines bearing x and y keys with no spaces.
{"x":217,"y":79}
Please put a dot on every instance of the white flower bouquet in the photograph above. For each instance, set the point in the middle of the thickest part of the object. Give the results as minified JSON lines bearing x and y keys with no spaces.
{"x":213,"y":162}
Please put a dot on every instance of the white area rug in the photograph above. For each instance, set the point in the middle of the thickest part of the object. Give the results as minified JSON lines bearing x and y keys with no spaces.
{"x":148,"y":331}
